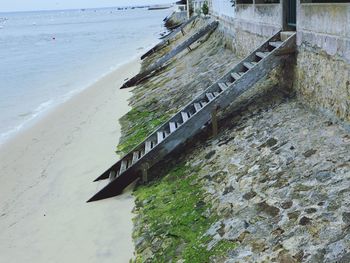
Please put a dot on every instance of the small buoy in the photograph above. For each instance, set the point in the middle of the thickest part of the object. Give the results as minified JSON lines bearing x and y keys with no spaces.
{"x":53,"y":38}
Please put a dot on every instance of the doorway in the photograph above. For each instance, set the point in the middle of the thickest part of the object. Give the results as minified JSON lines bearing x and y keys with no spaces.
{"x":290,"y":15}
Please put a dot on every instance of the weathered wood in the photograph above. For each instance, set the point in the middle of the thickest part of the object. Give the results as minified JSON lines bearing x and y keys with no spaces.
{"x":160,"y":62}
{"x":172,"y":126}
{"x":168,"y":38}
{"x":262,"y":54}
{"x":160,"y":136}
{"x":148,"y":146}
{"x":145,"y":168}
{"x":222,"y":86}
{"x":210,"y":96}
{"x":214,"y":120}
{"x":249,"y":65}
{"x":235,"y":76}
{"x":184,"y":116}
{"x":123,"y":165}
{"x":275,"y":43}
{"x":197,"y":106}
{"x":194,"y":124}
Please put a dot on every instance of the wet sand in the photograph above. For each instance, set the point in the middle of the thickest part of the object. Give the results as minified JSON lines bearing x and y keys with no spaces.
{"x":46,"y":176}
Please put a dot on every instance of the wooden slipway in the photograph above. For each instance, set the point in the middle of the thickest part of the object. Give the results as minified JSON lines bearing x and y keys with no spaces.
{"x":190,"y":120}
{"x":160,"y":62}
{"x":168,"y":38}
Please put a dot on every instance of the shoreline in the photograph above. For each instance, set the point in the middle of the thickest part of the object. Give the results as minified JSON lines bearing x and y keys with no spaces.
{"x":37,"y":116}
{"x":47,"y":173}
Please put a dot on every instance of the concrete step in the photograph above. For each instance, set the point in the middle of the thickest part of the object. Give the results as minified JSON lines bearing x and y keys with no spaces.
{"x":286,"y":34}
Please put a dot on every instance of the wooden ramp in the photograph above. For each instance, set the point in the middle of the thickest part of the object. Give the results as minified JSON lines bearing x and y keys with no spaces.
{"x":168,"y":38}
{"x":160,"y":62}
{"x":190,"y":120}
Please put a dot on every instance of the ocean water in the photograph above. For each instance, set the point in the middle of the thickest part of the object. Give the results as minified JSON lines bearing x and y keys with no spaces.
{"x":47,"y":57}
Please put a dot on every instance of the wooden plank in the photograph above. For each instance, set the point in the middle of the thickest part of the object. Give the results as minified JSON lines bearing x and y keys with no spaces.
{"x":275,"y":43}
{"x":123,"y":166}
{"x":148,"y":146}
{"x":172,"y":126}
{"x":210,"y":96}
{"x":112,"y":175}
{"x":135,"y":156}
{"x":197,"y":106}
{"x":168,"y":38}
{"x":184,"y":116}
{"x":160,"y":136}
{"x":160,"y":62}
{"x":249,"y":65}
{"x":214,"y":120}
{"x":222,"y":86}
{"x":262,"y":54}
{"x":235,"y":75}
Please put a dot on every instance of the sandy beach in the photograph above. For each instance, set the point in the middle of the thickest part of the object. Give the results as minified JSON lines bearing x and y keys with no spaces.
{"x":46,"y":176}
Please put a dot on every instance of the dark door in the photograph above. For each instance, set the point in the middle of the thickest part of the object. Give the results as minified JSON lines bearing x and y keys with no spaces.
{"x":292,"y":13}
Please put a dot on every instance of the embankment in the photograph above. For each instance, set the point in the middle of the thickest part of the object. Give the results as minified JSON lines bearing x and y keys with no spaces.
{"x":271,"y":187}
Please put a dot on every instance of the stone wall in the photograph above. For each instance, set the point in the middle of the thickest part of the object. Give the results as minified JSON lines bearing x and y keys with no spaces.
{"x":249,"y":25}
{"x":323,"y":60}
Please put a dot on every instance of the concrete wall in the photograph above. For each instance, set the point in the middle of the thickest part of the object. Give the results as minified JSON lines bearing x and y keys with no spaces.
{"x":323,"y":60}
{"x":249,"y":24}
{"x":222,"y":8}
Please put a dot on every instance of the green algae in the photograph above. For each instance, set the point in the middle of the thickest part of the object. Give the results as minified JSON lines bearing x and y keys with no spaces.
{"x":141,"y":125}
{"x":175,"y":216}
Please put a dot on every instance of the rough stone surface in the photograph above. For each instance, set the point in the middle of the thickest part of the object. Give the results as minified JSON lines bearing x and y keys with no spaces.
{"x":323,"y":82}
{"x":288,"y":203}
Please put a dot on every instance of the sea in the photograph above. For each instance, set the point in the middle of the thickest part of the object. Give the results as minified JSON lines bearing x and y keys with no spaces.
{"x":46,"y":57}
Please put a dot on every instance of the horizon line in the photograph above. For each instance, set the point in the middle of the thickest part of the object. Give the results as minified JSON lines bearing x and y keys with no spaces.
{"x":82,"y":8}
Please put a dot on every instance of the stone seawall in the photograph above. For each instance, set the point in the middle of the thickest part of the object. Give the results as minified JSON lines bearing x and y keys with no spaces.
{"x":272,"y":186}
{"x":323,"y":82}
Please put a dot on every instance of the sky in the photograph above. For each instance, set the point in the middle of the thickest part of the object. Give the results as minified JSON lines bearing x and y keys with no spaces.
{"x":29,"y":5}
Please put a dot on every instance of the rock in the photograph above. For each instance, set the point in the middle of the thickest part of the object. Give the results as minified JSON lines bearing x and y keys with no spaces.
{"x":140,"y":244}
{"x":323,"y":176}
{"x":304,"y":221}
{"x":268,"y":209}
{"x":210,"y":154}
{"x":200,"y":205}
{"x":311,"y":210}
{"x":287,"y":204}
{"x":344,"y":259}
{"x":283,"y":257}
{"x":221,"y":230}
{"x":271,"y":142}
{"x":228,"y":190}
{"x":251,"y":194}
{"x":336,"y":250}
{"x":309,"y":153}
{"x":293,"y":215}
{"x":346,"y":218}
